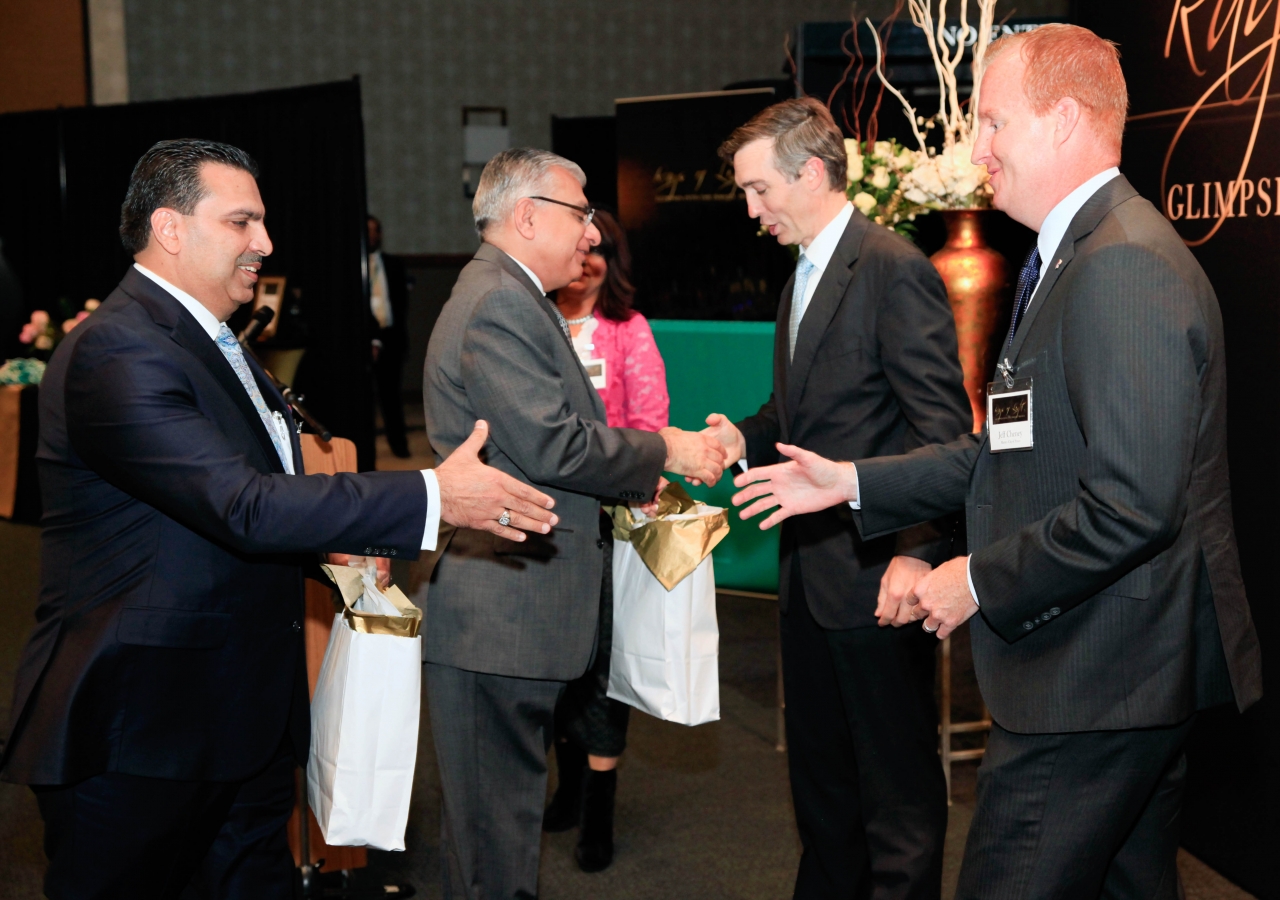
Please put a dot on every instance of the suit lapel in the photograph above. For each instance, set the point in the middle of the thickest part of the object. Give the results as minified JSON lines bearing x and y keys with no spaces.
{"x":193,"y":338}
{"x":167,"y":312}
{"x":782,"y":365}
{"x":492,"y":254}
{"x":822,"y":308}
{"x":1105,"y":199}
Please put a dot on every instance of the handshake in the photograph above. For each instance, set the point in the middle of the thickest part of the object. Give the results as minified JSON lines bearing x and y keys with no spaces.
{"x":702,"y":456}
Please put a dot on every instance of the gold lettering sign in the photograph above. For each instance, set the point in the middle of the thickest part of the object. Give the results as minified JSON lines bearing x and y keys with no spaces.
{"x":1251,"y":32}
{"x":677,"y":187}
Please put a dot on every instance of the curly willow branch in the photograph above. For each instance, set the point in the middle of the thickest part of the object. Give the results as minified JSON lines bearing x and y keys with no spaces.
{"x":908,"y":110}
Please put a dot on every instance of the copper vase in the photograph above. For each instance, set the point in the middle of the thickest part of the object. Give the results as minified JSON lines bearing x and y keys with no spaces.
{"x":977,"y":280}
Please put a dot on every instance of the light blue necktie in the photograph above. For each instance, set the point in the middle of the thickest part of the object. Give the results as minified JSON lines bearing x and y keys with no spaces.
{"x":230,"y":348}
{"x":804,"y":269}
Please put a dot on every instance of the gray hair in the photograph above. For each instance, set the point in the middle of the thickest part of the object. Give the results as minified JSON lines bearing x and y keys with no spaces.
{"x":511,"y":176}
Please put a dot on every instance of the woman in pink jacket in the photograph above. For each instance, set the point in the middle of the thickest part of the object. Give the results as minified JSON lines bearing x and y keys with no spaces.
{"x":616,"y":345}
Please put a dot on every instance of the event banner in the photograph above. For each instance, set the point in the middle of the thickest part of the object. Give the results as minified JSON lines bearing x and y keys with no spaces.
{"x":698,"y":254}
{"x":1203,"y":144}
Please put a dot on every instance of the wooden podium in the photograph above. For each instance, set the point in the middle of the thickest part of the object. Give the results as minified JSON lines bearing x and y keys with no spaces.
{"x":319,"y":457}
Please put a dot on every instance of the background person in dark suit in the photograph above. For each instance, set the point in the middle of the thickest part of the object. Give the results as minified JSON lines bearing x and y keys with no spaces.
{"x":161,"y":701}
{"x":1104,"y":560}
{"x":389,"y":307}
{"x":508,"y":625}
{"x":864,"y":364}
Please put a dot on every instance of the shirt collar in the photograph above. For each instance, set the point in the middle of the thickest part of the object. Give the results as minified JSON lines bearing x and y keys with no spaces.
{"x":1055,"y":225}
{"x":207,"y":320}
{"x":537,"y":282}
{"x":819,"y":251}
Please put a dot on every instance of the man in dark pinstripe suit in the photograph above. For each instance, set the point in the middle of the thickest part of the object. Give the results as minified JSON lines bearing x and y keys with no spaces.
{"x":1104,"y":586}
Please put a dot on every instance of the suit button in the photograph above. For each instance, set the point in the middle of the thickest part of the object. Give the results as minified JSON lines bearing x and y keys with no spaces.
{"x":393,"y":552}
{"x":1028,"y":625}
{"x":368,"y":551}
{"x":1055,"y":611}
{"x":297,"y":626}
{"x":600,"y":543}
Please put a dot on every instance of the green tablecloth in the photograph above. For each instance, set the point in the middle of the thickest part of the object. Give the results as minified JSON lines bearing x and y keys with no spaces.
{"x":724,"y":367}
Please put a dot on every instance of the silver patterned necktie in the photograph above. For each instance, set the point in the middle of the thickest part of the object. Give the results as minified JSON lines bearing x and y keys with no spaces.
{"x":230,"y":348}
{"x":564,"y":324}
{"x":804,"y":268}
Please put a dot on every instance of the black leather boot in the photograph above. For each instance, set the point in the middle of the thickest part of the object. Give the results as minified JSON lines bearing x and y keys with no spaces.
{"x":595,"y":842}
{"x":565,"y":809}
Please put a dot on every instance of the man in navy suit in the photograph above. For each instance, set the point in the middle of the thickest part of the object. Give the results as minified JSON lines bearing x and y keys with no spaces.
{"x":161,"y":702}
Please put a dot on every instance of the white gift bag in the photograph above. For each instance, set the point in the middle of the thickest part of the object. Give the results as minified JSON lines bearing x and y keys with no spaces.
{"x":364,"y":725}
{"x":666,"y":643}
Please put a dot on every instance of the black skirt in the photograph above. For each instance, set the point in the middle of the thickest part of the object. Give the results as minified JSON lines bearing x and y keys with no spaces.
{"x":585,"y":714}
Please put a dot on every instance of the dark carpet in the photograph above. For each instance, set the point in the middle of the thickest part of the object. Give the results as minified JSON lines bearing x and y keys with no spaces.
{"x":702,"y":812}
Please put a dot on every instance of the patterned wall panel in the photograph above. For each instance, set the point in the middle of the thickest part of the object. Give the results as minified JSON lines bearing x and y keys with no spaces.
{"x":421,"y":61}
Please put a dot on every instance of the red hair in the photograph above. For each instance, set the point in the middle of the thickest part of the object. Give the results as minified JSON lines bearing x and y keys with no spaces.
{"x":1070,"y":61}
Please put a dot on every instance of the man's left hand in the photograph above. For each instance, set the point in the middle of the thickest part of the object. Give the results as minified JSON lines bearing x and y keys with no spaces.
{"x":897,"y":603}
{"x":944,"y":598}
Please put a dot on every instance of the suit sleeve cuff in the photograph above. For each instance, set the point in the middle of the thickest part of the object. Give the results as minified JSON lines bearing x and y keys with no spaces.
{"x":857,"y":492}
{"x":432,"y":530}
{"x":968,"y":573}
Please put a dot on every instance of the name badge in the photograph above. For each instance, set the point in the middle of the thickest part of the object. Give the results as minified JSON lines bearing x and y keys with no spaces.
{"x":595,"y":369}
{"x":1009,"y":415}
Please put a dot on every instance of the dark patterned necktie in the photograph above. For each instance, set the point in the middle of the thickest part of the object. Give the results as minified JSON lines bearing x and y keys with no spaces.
{"x":1028,"y":278}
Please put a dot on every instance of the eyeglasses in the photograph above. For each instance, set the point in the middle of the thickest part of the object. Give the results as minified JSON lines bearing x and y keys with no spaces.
{"x":586,"y":211}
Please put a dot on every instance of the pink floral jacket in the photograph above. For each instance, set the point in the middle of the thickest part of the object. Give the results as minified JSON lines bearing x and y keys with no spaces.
{"x":635,"y":393}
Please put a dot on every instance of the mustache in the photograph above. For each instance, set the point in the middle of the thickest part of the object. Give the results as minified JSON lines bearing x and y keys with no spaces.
{"x":249,"y":259}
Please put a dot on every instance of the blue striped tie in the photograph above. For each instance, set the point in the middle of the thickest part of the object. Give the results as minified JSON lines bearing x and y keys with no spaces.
{"x":230,"y":348}
{"x":1028,"y":278}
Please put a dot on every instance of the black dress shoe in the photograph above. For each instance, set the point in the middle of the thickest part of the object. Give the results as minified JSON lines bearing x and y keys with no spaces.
{"x":565,"y":809}
{"x":594,"y":852}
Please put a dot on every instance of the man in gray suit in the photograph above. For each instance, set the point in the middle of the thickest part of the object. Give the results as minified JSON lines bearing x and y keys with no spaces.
{"x":1104,"y":562}
{"x":508,"y":624}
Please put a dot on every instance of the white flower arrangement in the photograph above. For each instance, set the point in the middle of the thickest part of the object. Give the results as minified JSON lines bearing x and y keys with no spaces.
{"x":877,"y":173}
{"x":892,"y":184}
{"x":948,"y":180}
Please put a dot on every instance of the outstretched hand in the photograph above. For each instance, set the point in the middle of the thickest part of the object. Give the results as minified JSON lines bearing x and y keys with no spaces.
{"x":473,"y":495}
{"x":808,"y":483}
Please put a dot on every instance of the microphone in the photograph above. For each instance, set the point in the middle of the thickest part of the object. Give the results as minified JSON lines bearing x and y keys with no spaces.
{"x":261,"y":319}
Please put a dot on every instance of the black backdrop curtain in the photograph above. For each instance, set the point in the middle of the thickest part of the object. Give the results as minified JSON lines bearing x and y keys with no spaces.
{"x":1214,"y":170}
{"x":64,"y":177}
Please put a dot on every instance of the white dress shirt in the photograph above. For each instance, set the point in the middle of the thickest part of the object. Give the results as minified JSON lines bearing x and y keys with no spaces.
{"x":209,"y":322}
{"x":536,"y":280}
{"x":379,"y":293}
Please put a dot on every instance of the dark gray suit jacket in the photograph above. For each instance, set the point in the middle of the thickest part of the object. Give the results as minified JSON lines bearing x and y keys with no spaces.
{"x":1105,"y":558}
{"x":875,"y":372}
{"x":498,"y":353}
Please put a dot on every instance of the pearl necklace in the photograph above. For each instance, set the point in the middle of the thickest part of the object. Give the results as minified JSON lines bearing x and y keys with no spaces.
{"x":579,"y":321}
